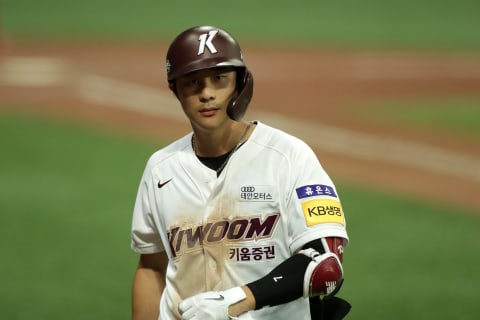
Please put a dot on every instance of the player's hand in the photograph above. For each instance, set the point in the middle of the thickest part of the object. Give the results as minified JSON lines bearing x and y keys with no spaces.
{"x":211,"y":305}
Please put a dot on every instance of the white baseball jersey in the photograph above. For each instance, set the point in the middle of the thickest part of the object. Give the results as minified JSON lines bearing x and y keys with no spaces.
{"x":272,"y":197}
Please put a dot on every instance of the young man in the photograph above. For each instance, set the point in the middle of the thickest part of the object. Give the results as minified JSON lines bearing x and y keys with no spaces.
{"x":235,"y":219}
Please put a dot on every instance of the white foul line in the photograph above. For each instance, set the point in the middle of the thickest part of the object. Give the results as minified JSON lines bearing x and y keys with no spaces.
{"x":134,"y":97}
{"x":32,"y":72}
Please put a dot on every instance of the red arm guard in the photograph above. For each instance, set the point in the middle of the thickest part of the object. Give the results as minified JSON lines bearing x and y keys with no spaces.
{"x":324,"y":273}
{"x":336,"y":245}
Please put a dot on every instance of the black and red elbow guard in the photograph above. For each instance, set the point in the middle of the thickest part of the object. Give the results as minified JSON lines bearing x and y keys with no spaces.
{"x":324,"y":273}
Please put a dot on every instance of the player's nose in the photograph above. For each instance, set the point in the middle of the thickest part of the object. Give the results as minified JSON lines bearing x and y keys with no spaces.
{"x":207,"y":90}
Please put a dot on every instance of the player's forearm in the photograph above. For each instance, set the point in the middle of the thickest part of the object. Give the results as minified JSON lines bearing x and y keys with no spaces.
{"x":147,"y":289}
{"x":314,"y":271}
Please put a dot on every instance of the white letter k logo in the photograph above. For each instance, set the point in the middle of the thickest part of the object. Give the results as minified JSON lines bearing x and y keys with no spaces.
{"x":204,"y":41}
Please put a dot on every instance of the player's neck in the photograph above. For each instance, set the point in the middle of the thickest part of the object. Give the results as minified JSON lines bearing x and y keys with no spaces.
{"x":219,"y":143}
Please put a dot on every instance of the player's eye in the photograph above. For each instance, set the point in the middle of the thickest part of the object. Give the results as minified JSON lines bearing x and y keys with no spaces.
{"x":222,"y":78}
{"x":189,"y":83}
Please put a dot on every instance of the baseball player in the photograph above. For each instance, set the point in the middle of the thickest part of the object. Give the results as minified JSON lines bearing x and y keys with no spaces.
{"x":235,"y":220}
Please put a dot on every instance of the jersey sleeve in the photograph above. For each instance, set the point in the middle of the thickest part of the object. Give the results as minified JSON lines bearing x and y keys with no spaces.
{"x":144,"y":235}
{"x":314,"y":203}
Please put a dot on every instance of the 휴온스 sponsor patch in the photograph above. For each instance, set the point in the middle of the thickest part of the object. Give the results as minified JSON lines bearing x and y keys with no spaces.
{"x":323,"y":211}
{"x":315,"y":190}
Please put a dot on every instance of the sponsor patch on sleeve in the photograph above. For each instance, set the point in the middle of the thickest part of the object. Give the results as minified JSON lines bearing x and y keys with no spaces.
{"x":315,"y":190}
{"x":323,"y":211}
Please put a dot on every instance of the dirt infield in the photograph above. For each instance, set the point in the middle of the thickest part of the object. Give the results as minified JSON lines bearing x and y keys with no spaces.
{"x":312,"y":94}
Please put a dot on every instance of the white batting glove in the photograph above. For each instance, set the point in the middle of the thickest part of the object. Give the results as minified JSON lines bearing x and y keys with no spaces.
{"x":211,"y":305}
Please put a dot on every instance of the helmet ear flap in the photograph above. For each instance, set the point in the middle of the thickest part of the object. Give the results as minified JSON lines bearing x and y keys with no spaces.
{"x":238,"y":105}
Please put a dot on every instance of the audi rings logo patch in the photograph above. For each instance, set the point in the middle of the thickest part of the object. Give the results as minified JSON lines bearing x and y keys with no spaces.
{"x":257,"y":193}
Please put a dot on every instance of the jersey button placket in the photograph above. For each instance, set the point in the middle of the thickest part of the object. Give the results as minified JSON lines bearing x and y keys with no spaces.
{"x":212,"y":264}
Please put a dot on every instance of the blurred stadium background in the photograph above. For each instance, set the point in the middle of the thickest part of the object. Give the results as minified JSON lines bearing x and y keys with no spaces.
{"x":388,"y":94}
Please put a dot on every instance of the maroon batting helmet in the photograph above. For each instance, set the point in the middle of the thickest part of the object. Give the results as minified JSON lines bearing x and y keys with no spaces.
{"x":208,"y":47}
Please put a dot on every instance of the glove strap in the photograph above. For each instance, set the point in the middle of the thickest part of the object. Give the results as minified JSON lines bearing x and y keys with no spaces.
{"x":234,"y":295}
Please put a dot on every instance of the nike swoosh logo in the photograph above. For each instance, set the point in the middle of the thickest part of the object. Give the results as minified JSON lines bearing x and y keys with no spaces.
{"x":219,"y":298}
{"x":160,"y":184}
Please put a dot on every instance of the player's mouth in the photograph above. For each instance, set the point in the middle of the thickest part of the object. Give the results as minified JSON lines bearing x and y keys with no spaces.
{"x":208,"y":112}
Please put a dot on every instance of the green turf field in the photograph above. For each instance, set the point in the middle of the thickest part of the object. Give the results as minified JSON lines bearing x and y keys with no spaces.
{"x":438,"y":24}
{"x":456,"y":117}
{"x":65,"y":202}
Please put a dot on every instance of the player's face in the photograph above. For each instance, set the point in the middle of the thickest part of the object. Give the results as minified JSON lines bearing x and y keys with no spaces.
{"x":204,"y":95}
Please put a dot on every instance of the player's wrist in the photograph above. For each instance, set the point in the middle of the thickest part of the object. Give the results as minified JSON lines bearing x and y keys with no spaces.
{"x":214,"y":305}
{"x":245,"y":302}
